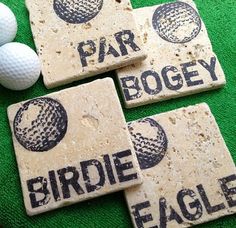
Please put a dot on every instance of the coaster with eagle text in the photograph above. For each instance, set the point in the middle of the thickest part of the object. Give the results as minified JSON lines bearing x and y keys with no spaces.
{"x":189,"y":175}
{"x":72,"y":146}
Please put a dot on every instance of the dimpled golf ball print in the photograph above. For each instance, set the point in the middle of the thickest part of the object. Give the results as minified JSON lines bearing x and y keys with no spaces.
{"x":149,"y":140}
{"x":40,"y":124}
{"x":77,"y":11}
{"x":176,"y":22}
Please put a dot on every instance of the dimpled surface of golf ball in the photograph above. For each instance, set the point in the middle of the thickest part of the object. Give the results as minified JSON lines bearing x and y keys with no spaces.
{"x":176,"y":22}
{"x":150,"y":142}
{"x":8,"y":25}
{"x":77,"y":11}
{"x":40,"y":124}
{"x":19,"y":66}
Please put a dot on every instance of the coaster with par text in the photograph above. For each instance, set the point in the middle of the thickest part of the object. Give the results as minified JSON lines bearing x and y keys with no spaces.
{"x":72,"y":146}
{"x":189,"y":175}
{"x":76,"y":39}
{"x":180,"y":57}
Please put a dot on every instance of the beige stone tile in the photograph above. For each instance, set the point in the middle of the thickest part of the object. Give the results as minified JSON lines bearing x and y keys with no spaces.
{"x":82,"y":38}
{"x":72,"y":146}
{"x":180,"y":57}
{"x":189,"y":175}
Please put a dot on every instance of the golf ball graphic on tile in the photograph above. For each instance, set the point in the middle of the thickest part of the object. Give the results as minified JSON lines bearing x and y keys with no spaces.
{"x":65,"y":151}
{"x":176,"y":22}
{"x":150,"y":145}
{"x":77,"y":11}
{"x":194,"y":181}
{"x":76,"y":39}
{"x":40,"y":124}
{"x":180,"y":58}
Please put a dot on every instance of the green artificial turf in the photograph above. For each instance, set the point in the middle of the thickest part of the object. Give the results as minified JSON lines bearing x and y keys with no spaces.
{"x":111,"y":211}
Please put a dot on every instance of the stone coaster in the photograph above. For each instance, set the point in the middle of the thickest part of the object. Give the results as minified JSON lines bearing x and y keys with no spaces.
{"x":72,"y":146}
{"x":76,"y":39}
{"x":189,"y":175}
{"x":180,"y":57}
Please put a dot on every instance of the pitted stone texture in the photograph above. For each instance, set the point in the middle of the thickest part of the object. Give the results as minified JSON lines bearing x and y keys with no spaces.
{"x":72,"y":146}
{"x":83,"y":38}
{"x":194,"y":178}
{"x":180,"y":58}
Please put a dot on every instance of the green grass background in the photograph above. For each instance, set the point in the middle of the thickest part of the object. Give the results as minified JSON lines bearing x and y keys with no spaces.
{"x":111,"y":211}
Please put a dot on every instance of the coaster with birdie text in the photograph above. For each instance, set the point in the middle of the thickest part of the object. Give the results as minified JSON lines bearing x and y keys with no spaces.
{"x":189,"y":175}
{"x":76,"y":39}
{"x":71,"y":146}
{"x":180,"y":58}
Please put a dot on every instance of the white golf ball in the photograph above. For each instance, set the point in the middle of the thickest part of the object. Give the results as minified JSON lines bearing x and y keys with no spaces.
{"x":8,"y":25}
{"x":19,"y":66}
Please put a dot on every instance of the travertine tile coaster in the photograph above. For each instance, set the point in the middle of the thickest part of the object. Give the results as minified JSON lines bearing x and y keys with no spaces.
{"x":189,"y":175}
{"x":81,"y":38}
{"x":180,"y":57}
{"x":72,"y":146}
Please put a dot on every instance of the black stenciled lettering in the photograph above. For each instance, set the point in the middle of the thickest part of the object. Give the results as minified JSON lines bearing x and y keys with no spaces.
{"x":164,"y":218}
{"x":190,"y":74}
{"x":42,"y":190}
{"x":128,"y":88}
{"x":126,"y":38}
{"x":229,"y":192}
{"x":121,"y":167}
{"x":210,"y":209}
{"x":87,"y":179}
{"x":85,"y":50}
{"x":103,"y":52}
{"x":195,"y":204}
{"x":109,"y":169}
{"x":155,"y":76}
{"x":73,"y":181}
{"x":141,"y":219}
{"x":53,"y":181}
{"x":210,"y":68}
{"x":176,"y":78}
{"x":174,"y":216}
